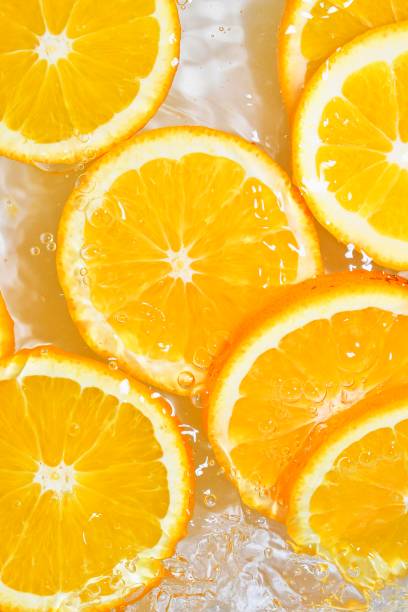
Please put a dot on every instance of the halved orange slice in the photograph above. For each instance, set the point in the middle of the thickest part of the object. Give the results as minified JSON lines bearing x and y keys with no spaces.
{"x":312,"y":30}
{"x":77,"y":76}
{"x":6,"y":330}
{"x":350,"y":501}
{"x":321,"y":347}
{"x":95,"y":484}
{"x":171,"y":241}
{"x":350,"y":140}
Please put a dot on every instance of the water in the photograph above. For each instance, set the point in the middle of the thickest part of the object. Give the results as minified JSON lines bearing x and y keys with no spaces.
{"x":232,"y":559}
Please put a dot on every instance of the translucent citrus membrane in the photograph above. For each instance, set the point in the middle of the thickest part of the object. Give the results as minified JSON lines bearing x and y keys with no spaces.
{"x":364,"y":159}
{"x":317,"y":371}
{"x":58,"y":61}
{"x":82,"y":485}
{"x":179,"y":253}
{"x":332,"y":23}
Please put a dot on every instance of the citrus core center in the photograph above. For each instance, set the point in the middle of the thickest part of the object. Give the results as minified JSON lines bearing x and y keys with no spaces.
{"x":59,"y":479}
{"x":180,"y":263}
{"x":399,"y":154}
{"x":53,"y":47}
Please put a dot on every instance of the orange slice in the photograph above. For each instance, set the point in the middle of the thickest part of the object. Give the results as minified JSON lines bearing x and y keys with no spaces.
{"x":350,"y":502}
{"x":171,"y":241}
{"x":95,"y":484}
{"x":320,"y":348}
{"x":351,"y":145}
{"x":77,"y":76}
{"x":6,"y":330}
{"x":312,"y":30}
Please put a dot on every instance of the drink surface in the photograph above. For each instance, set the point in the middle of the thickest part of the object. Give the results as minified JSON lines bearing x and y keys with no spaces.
{"x":227,"y":80}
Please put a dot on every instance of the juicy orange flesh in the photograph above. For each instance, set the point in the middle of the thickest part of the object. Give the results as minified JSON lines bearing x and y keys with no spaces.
{"x":181,"y":251}
{"x":360,"y":509}
{"x":56,"y":542}
{"x":333,"y":23}
{"x":315,"y":372}
{"x":365,"y":136}
{"x":99,"y":75}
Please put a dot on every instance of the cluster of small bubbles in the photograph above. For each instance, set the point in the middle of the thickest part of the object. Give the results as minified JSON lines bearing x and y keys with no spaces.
{"x":74,"y":429}
{"x":186,"y":380}
{"x":35,"y":250}
{"x":209,"y":499}
{"x":113,"y":363}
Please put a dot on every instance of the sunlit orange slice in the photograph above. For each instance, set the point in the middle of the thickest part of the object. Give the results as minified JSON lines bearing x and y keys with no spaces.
{"x":95,"y":484}
{"x":323,"y":346}
{"x":350,"y":145}
{"x":350,"y":501}
{"x":78,"y":75}
{"x":171,"y":242}
{"x":6,"y":330}
{"x":312,"y":30}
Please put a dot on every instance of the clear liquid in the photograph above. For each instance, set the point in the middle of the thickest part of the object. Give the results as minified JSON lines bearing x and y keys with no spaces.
{"x":233,"y":559}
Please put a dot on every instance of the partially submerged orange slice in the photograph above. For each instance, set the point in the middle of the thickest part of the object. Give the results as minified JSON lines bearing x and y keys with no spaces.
{"x":321,"y":347}
{"x":77,"y":76}
{"x":312,"y":30}
{"x":95,"y":484}
{"x":171,"y":241}
{"x":350,"y":143}
{"x":6,"y":330}
{"x":350,"y":501}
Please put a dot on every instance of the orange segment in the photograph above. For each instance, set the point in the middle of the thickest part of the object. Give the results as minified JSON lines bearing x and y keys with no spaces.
{"x":94,"y":484}
{"x":171,"y":241}
{"x":351,"y":145}
{"x":320,"y":348}
{"x":6,"y":330}
{"x":312,"y":30}
{"x":350,"y":500}
{"x":77,"y":79}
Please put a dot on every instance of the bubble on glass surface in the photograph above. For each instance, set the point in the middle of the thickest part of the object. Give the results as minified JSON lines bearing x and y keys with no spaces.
{"x":35,"y":250}
{"x":51,"y":246}
{"x":186,"y":380}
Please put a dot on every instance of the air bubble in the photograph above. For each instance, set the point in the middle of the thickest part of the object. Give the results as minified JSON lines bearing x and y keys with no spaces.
{"x":46,"y":237}
{"x":90,"y":252}
{"x":186,"y":380}
{"x":51,"y":246}
{"x":291,"y":390}
{"x":121,"y":318}
{"x":74,"y":429}
{"x":202,"y":359}
{"x":113,"y":363}
{"x":210,"y":500}
{"x":268,"y":552}
{"x":18,"y":503}
{"x":35,"y":250}
{"x":83,"y":271}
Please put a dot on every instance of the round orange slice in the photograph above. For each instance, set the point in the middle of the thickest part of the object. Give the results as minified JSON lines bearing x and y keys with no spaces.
{"x":351,"y":145}
{"x":171,"y":241}
{"x":320,"y":348}
{"x":95,"y":484}
{"x":77,"y":76}
{"x":6,"y":330}
{"x":312,"y":30}
{"x":350,"y":502}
